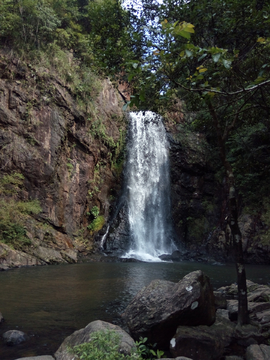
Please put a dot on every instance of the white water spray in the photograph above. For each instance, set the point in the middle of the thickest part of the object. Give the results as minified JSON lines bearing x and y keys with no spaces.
{"x":148,"y":188}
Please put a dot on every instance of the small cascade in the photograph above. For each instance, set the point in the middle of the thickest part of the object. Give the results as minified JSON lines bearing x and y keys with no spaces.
{"x":104,"y":237}
{"x":148,"y":188}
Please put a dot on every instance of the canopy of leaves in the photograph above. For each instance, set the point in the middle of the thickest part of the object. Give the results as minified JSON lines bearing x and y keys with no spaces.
{"x":95,"y":30}
{"x":215,"y":56}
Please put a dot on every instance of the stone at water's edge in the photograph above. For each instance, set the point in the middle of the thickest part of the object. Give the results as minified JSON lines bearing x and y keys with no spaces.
{"x":157,"y":310}
{"x":1,"y":317}
{"x":203,"y":342}
{"x":179,"y":358}
{"x":83,"y":335}
{"x":14,"y":337}
{"x":253,"y":308}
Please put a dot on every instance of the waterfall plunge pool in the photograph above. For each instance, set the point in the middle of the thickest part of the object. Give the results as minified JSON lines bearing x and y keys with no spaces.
{"x":50,"y":302}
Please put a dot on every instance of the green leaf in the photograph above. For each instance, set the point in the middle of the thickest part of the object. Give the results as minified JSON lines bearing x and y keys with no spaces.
{"x":202,"y":57}
{"x":202,"y":70}
{"x":227,"y":63}
{"x":142,"y":96}
{"x":184,"y":34}
{"x":259,"y":80}
{"x":216,"y":57}
{"x":188,"y":53}
{"x":131,"y":76}
{"x":126,"y":105}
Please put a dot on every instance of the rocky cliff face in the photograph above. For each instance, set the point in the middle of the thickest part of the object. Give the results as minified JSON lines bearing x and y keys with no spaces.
{"x":69,"y":158}
{"x":199,"y":204}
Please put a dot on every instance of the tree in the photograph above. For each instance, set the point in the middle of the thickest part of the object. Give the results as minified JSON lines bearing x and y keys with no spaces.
{"x":222,"y":70}
{"x":28,"y":21}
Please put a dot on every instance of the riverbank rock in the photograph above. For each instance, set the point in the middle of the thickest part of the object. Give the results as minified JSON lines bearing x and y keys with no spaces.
{"x":203,"y":342}
{"x":258,"y":352}
{"x":158,"y":309}
{"x":253,"y":308}
{"x":258,"y":302}
{"x":84,"y":335}
{"x":10,"y":258}
{"x":1,"y":318}
{"x":14,"y":337}
{"x":256,"y":292}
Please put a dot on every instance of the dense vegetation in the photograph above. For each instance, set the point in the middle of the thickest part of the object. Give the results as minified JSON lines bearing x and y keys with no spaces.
{"x":90,"y":29}
{"x":13,"y":213}
{"x":104,"y":345}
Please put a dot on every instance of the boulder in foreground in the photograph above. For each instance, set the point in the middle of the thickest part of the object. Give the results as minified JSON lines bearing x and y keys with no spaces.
{"x":158,"y":309}
{"x":84,"y":335}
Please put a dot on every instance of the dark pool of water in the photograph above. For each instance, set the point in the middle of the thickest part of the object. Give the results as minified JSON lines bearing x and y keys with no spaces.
{"x":49,"y":303}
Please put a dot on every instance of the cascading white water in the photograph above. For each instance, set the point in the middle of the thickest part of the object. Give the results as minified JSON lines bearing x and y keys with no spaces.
{"x":148,"y":188}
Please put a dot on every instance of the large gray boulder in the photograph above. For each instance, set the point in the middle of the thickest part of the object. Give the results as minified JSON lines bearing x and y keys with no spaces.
{"x":158,"y":309}
{"x":258,"y":352}
{"x":203,"y":342}
{"x":84,"y":335}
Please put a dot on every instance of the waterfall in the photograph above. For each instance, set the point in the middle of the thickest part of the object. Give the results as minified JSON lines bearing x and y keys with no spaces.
{"x":148,"y":188}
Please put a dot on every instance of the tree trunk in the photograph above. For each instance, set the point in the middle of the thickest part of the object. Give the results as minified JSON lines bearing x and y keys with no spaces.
{"x":243,"y":317}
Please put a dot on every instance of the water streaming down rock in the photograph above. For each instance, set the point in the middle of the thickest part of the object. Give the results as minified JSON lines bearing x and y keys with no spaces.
{"x":148,"y":188}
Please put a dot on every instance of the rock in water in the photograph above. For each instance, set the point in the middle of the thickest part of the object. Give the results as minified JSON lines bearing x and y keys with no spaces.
{"x":14,"y":337}
{"x":158,"y":309}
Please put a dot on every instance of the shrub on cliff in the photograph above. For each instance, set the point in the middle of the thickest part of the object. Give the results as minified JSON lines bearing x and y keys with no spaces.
{"x":14,"y":212}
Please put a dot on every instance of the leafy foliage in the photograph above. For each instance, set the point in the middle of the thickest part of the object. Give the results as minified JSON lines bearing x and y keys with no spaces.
{"x":104,"y":345}
{"x":96,"y":224}
{"x":13,"y":213}
{"x":95,"y":30}
{"x":214,"y":55}
{"x":29,"y":21}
